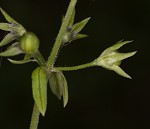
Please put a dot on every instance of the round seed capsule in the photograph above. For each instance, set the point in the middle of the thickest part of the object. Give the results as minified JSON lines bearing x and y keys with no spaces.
{"x":29,"y":42}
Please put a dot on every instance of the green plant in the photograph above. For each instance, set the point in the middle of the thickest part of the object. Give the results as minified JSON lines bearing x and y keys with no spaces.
{"x":27,"y":43}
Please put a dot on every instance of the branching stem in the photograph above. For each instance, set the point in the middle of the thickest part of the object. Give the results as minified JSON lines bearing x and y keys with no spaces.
{"x":53,"y":55}
{"x":62,"y":30}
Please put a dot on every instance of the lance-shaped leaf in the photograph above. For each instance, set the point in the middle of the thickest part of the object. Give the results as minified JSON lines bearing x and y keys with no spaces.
{"x":79,"y":26}
{"x":58,"y":85}
{"x":39,"y":89}
{"x":21,"y":61}
{"x":7,"y":39}
{"x":13,"y":51}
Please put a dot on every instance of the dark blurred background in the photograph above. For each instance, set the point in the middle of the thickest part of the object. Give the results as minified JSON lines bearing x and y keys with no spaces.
{"x":98,"y":98}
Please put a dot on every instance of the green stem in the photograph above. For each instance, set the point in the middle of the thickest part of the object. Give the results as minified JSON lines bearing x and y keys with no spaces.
{"x":75,"y":67}
{"x":34,"y":118}
{"x":40,"y":59}
{"x":62,"y":30}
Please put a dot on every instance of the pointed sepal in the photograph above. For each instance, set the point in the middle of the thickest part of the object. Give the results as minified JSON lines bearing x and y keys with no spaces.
{"x":115,"y":47}
{"x":8,"y":38}
{"x":26,"y":59}
{"x":119,"y":71}
{"x":21,"y":61}
{"x":121,"y":56}
{"x":11,"y":51}
{"x":6,"y":27}
{"x":79,"y":26}
{"x":58,"y":85}
{"x":81,"y":36}
{"x":7,"y":17}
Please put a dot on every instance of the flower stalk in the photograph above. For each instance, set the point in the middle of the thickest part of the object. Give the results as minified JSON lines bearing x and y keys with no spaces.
{"x":72,"y":68}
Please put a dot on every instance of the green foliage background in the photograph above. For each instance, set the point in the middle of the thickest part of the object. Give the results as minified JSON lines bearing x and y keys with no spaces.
{"x":98,"y":99}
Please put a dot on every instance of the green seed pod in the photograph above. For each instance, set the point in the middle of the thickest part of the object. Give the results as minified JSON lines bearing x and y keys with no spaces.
{"x":29,"y":42}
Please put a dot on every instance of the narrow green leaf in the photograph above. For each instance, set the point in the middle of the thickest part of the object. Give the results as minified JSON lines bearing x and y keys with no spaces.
{"x":21,"y":61}
{"x":39,"y":89}
{"x":79,"y":26}
{"x":7,"y":39}
{"x":58,"y":85}
{"x":26,"y":59}
{"x":7,"y":17}
{"x":11,"y":52}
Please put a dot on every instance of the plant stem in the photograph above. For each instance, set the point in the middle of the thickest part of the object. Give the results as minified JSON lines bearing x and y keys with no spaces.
{"x":51,"y":59}
{"x":40,"y":59}
{"x":34,"y":118}
{"x":75,"y":67}
{"x":62,"y":30}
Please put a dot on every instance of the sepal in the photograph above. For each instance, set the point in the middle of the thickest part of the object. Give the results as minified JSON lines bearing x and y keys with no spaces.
{"x":58,"y":85}
{"x":8,"y":38}
{"x":12,"y":50}
{"x":73,"y":31}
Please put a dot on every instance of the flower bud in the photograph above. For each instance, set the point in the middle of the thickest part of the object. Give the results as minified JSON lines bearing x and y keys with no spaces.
{"x":111,"y":58}
{"x":29,"y":42}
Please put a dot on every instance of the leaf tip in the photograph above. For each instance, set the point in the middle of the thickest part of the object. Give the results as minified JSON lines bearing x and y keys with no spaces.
{"x":65,"y":104}
{"x":43,"y":113}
